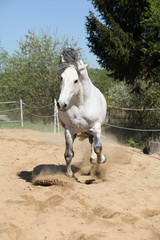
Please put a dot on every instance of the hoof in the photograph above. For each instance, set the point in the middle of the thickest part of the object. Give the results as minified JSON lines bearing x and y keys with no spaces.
{"x":102,"y":159}
{"x":93,"y":161}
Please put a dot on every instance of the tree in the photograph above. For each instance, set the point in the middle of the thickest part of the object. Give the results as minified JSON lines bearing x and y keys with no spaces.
{"x":100,"y":79}
{"x":121,"y":95}
{"x":150,"y":22}
{"x":3,"y":59}
{"x":119,"y":37}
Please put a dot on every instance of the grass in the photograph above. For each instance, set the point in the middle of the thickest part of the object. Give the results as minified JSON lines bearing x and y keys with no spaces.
{"x":39,"y":126}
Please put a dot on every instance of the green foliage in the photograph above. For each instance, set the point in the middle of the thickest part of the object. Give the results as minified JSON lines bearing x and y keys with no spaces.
{"x":100,"y":79}
{"x":150,"y":22}
{"x":3,"y":59}
{"x":119,"y":95}
{"x":148,"y":98}
{"x":122,"y":95}
{"x":124,"y":38}
{"x":134,"y":144}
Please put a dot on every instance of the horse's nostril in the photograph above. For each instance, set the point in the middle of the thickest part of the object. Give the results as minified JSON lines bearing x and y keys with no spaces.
{"x":65,"y":105}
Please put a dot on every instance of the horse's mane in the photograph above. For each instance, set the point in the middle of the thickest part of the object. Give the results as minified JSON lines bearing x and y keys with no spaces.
{"x":70,"y":57}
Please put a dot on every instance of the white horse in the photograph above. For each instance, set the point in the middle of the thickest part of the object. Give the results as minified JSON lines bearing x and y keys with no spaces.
{"x":81,"y":107}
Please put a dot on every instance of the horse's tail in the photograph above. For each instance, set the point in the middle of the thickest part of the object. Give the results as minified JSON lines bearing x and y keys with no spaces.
{"x":83,"y":135}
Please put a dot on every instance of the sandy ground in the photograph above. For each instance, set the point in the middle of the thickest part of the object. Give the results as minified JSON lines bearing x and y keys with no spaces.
{"x":121,"y":199}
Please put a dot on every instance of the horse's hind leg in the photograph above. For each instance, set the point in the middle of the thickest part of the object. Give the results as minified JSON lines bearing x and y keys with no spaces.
{"x":69,"y":151}
{"x":97,"y":144}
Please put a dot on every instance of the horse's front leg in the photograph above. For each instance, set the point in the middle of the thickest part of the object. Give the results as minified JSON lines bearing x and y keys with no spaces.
{"x":69,"y":151}
{"x":98,"y":145}
{"x":93,"y":157}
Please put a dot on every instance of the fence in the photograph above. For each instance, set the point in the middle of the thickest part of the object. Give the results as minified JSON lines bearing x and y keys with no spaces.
{"x":5,"y":119}
{"x":55,"y":115}
{"x":121,"y":116}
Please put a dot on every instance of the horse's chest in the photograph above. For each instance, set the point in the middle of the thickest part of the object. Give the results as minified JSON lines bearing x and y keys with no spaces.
{"x":75,"y":119}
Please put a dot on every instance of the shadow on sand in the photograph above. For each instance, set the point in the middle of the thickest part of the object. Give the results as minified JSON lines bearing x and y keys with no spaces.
{"x":45,"y":170}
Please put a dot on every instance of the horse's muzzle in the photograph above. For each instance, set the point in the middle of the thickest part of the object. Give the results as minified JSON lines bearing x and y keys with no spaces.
{"x":61,"y":107}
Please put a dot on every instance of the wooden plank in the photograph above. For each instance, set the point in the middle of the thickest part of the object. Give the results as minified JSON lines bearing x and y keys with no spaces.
{"x":154,"y":147}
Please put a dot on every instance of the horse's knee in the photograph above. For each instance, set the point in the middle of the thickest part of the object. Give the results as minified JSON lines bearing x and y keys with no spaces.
{"x":98,"y":148}
{"x":100,"y":157}
{"x":68,"y":155}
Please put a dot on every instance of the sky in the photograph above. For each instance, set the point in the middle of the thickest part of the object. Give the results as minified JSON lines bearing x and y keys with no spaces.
{"x":64,"y":17}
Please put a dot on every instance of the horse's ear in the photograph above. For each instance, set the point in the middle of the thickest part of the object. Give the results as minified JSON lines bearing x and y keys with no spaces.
{"x":62,"y":59}
{"x":82,"y":66}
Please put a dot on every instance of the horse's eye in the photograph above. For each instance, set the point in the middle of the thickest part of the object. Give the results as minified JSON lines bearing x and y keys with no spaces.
{"x":76,"y":81}
{"x":61,"y":79}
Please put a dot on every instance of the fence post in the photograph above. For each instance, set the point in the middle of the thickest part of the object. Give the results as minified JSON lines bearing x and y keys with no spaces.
{"x":21,"y":107}
{"x":55,"y":115}
{"x":57,"y":119}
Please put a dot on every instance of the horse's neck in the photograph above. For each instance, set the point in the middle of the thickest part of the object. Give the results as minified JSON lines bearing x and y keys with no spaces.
{"x":86,"y":86}
{"x":86,"y":83}
{"x":84,"y":75}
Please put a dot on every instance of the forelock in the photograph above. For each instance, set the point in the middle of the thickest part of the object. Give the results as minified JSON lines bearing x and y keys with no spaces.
{"x":71,"y":58}
{"x":70,"y":55}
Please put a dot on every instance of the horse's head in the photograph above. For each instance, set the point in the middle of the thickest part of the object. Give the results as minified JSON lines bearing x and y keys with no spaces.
{"x":73,"y":72}
{"x":70,"y":86}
